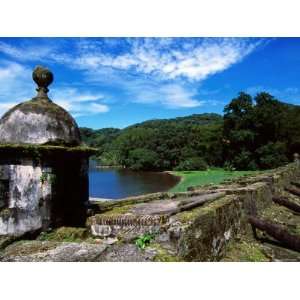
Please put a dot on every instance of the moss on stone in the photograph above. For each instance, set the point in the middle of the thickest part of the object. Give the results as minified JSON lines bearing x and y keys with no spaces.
{"x":245,"y":251}
{"x":24,"y":247}
{"x":40,"y":148}
{"x":5,"y":213}
{"x":42,"y":106}
{"x":276,"y":213}
{"x":205,"y":231}
{"x":38,"y":152}
{"x":119,"y":210}
{"x":210,"y":209}
{"x":163,"y":255}
{"x":59,"y":122}
{"x":65,"y":234}
{"x":282,"y":216}
{"x":105,"y":206}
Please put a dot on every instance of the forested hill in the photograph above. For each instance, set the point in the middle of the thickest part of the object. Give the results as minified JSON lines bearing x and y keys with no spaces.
{"x":99,"y":137}
{"x":195,"y":119}
{"x":160,"y":143}
{"x":254,"y":133}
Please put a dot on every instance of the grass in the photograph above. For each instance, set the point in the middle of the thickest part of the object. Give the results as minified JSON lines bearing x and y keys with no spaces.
{"x":197,"y":178}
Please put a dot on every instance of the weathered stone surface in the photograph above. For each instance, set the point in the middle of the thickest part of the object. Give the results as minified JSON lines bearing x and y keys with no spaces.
{"x":28,"y":206}
{"x":165,"y":206}
{"x":155,"y":207}
{"x":280,"y":254}
{"x":38,"y":122}
{"x":100,"y":206}
{"x":34,"y":251}
{"x":151,"y":217}
{"x":127,"y":253}
{"x":6,"y":240}
{"x":202,"y":234}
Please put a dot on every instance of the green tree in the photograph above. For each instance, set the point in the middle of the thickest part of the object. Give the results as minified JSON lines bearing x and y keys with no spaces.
{"x":238,"y":131}
{"x":142,"y":159}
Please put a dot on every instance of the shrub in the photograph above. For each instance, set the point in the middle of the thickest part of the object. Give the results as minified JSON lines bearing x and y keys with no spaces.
{"x":192,"y":164}
{"x":228,"y":166}
{"x":272,"y":155}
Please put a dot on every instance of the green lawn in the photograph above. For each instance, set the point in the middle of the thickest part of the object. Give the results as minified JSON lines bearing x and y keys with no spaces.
{"x":195,"y":178}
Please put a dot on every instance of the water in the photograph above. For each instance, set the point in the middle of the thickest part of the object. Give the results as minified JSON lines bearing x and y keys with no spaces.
{"x":120,"y":183}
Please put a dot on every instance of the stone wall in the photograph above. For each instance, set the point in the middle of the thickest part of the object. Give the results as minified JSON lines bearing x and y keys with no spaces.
{"x":27,"y":206}
{"x":37,"y":194}
{"x":207,"y":231}
{"x":202,"y":235}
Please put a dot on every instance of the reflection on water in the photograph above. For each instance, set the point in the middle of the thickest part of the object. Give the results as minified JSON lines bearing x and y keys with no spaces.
{"x":120,"y":183}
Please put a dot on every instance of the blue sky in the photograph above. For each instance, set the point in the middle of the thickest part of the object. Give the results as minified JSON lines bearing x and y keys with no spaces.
{"x":115,"y":82}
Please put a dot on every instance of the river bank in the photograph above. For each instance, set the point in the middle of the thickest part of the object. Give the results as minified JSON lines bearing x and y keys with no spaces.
{"x":200,"y":178}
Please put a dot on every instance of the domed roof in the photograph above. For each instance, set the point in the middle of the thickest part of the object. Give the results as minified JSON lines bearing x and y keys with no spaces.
{"x":39,"y":121}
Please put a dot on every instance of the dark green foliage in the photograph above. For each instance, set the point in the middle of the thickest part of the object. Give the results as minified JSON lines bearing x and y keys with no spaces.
{"x":142,"y":159}
{"x":255,"y":133}
{"x":100,"y":138}
{"x":162,"y":144}
{"x":109,"y":158}
{"x":260,"y":134}
{"x":192,"y":164}
{"x":272,"y":155}
{"x":244,"y":161}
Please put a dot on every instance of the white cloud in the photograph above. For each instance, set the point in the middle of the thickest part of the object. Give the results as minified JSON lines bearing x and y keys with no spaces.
{"x":72,"y":94}
{"x":168,"y":58}
{"x":176,"y":97}
{"x":147,"y":70}
{"x":29,"y":52}
{"x":171,"y":96}
{"x":83,"y":109}
{"x":16,"y":86}
{"x":159,"y":70}
{"x":15,"y":82}
{"x":192,"y":59}
{"x":79,"y":103}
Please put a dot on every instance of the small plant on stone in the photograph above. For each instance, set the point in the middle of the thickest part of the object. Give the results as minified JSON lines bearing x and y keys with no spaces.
{"x":44,"y":177}
{"x":143,"y":241}
{"x":47,"y":177}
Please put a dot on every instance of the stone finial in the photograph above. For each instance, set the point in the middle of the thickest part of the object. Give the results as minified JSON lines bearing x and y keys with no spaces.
{"x":43,"y":77}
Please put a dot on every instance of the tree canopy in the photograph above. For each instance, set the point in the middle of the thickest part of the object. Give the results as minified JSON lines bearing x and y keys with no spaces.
{"x":254,"y":133}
